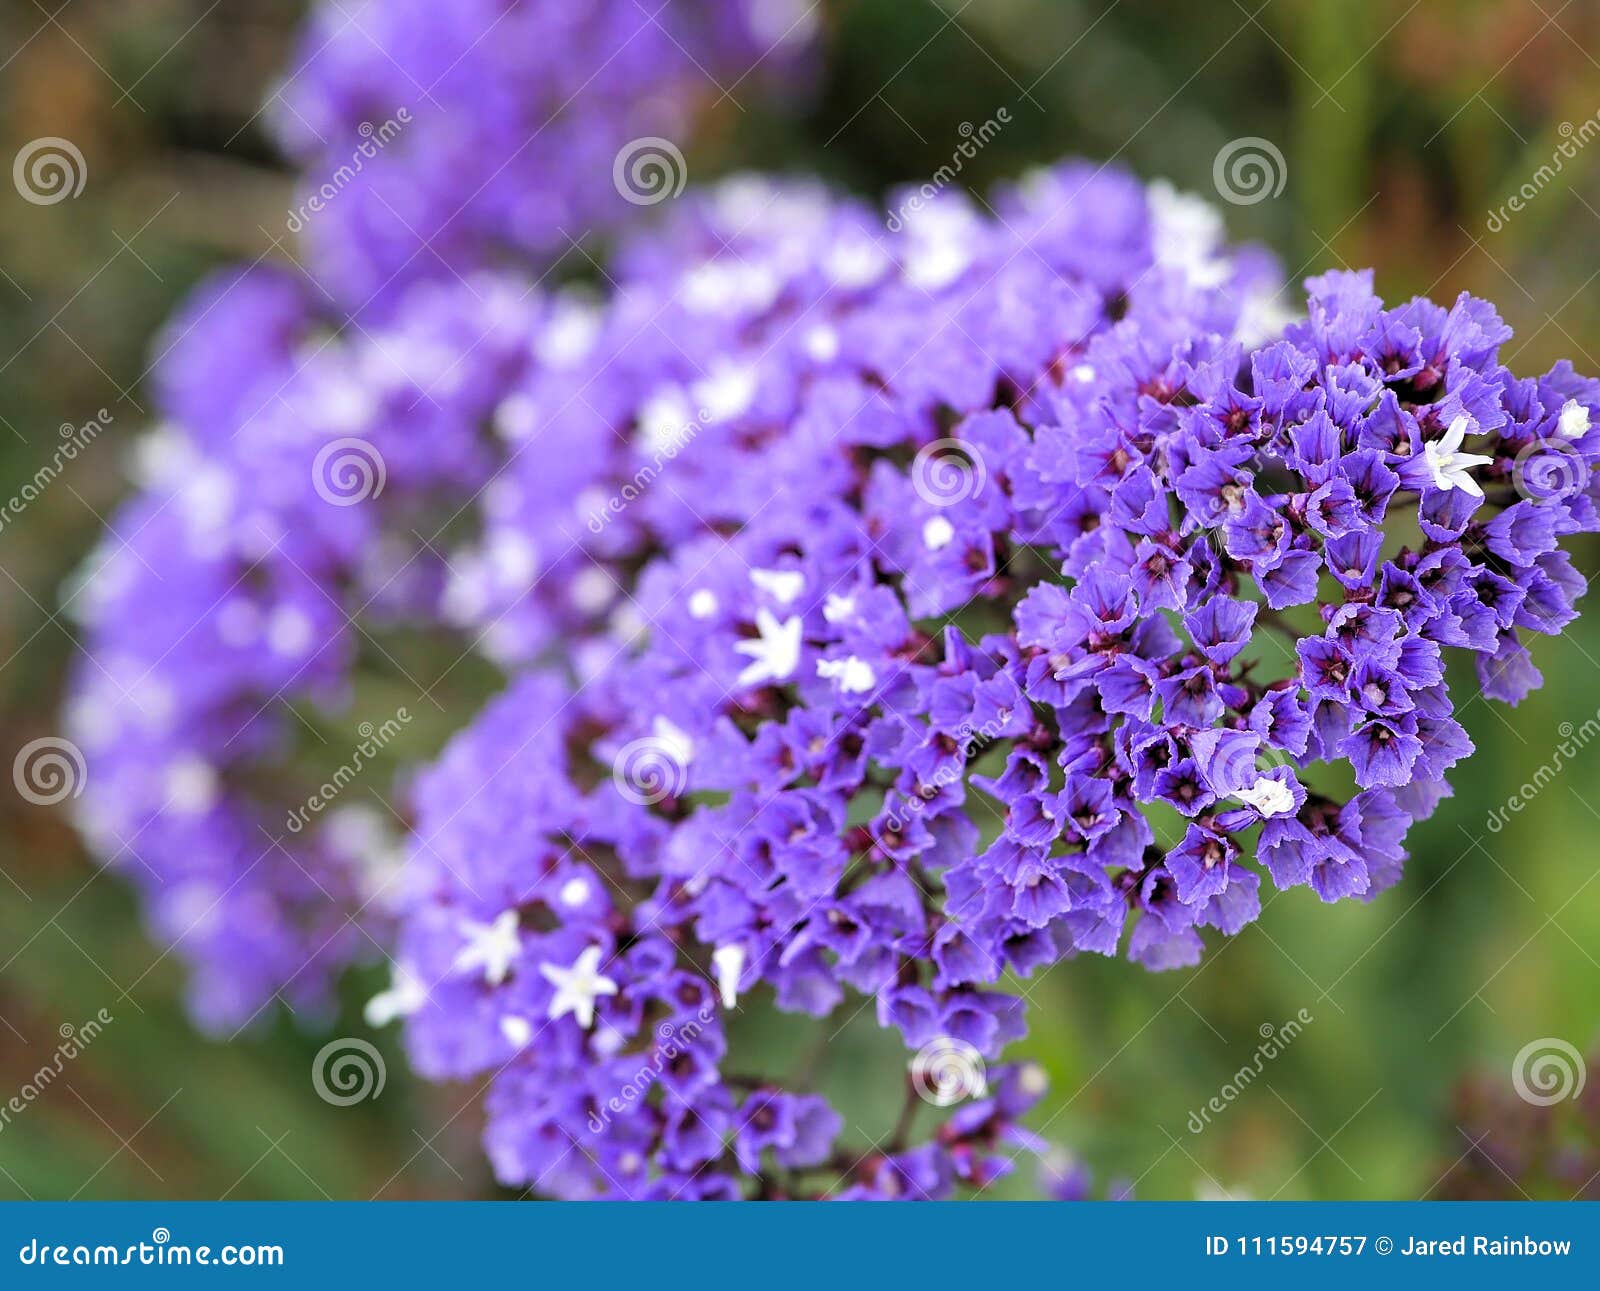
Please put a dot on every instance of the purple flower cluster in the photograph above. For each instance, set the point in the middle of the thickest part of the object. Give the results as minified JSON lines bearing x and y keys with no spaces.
{"x":889,"y":612}
{"x":1013,"y":600}
{"x":444,"y":138}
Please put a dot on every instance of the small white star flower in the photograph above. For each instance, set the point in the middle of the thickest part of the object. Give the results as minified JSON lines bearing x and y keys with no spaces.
{"x":783,"y":585}
{"x":1033,"y":1080}
{"x":1450,"y":466}
{"x":406,"y":994}
{"x":1269,"y":797}
{"x":703,"y":603}
{"x":664,"y":421}
{"x":729,"y":390}
{"x":674,"y":741}
{"x":289,"y":631}
{"x":1574,"y":423}
{"x":191,"y":785}
{"x":822,"y":343}
{"x":517,"y":1030}
{"x":578,"y":987}
{"x":574,"y":327}
{"x":592,"y":590}
{"x":1187,"y":233}
{"x":855,"y":262}
{"x":492,"y":947}
{"x":776,"y":652}
{"x":854,"y":675}
{"x":729,"y":963}
{"x":937,"y":533}
{"x":837,"y":609}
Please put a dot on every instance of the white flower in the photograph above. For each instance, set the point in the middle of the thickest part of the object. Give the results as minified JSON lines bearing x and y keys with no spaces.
{"x":727,"y":391}
{"x":570,"y":334}
{"x":673,"y":740}
{"x":836,"y":609}
{"x":1033,"y":1080}
{"x":664,"y":421}
{"x":192,"y":787}
{"x":1574,"y":423}
{"x":406,"y":994}
{"x":517,"y":1030}
{"x":578,"y":987}
{"x":854,"y":675}
{"x":783,"y":585}
{"x":822,"y":343}
{"x":1450,"y":466}
{"x":1269,"y":797}
{"x":937,"y":532}
{"x":702,"y":603}
{"x":939,"y":243}
{"x":493,"y":947}
{"x":1187,"y":234}
{"x":289,"y":631}
{"x":776,"y":651}
{"x":854,"y":262}
{"x":729,"y":963}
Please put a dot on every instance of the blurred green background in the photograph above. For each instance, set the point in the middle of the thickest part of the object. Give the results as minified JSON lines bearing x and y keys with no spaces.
{"x":1403,"y":127}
